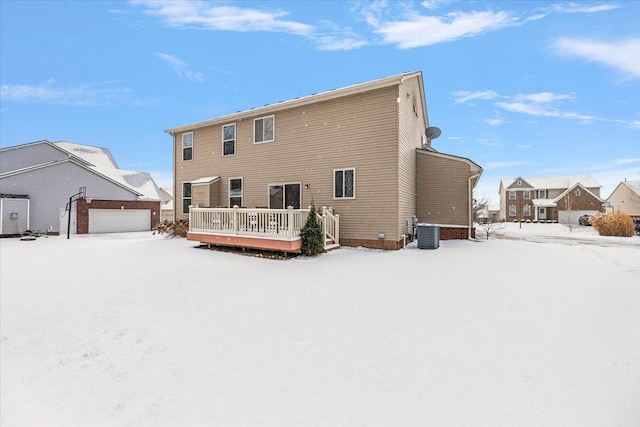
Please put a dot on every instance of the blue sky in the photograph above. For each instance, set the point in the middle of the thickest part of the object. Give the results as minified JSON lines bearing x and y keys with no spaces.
{"x":531,"y":88}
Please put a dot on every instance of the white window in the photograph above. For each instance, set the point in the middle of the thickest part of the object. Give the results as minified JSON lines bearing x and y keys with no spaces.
{"x":264,"y":129}
{"x":187,"y":146}
{"x":512,"y":210}
{"x":344,"y":183}
{"x":229,"y":140}
{"x":578,"y":192}
{"x":542,"y":194}
{"x":186,"y":196}
{"x":512,"y":195}
{"x":526,"y":194}
{"x":235,"y":192}
{"x":526,"y":210}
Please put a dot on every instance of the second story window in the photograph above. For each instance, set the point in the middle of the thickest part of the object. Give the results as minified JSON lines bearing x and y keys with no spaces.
{"x":187,"y":146}
{"x":542,"y":194}
{"x":512,"y":195}
{"x":264,"y":129}
{"x":344,"y":184}
{"x":526,"y":194}
{"x":229,"y":140}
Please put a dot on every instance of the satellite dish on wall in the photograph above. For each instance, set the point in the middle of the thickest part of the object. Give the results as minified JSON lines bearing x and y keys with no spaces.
{"x":432,"y":132}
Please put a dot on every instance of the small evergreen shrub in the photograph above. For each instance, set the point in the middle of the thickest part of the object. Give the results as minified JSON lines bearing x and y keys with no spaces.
{"x":617,"y":224}
{"x":177,"y":228}
{"x":311,"y":235}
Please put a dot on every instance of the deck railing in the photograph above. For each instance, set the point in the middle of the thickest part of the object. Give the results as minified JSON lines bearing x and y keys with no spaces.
{"x":330,"y":224}
{"x":281,"y":223}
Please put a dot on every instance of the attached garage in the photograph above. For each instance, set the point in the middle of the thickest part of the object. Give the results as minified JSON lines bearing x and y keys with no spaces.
{"x":565,"y":216}
{"x":117,"y":216}
{"x":119,"y":220}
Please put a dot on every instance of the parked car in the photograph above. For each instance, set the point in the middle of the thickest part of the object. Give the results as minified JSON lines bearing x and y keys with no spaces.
{"x":584,"y":220}
{"x":636,"y":223}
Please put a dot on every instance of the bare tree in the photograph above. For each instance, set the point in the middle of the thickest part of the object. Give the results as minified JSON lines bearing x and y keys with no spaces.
{"x":490,"y":227}
{"x":568,"y":205}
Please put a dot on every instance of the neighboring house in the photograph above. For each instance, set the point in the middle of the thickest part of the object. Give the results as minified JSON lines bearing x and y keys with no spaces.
{"x":166,"y":208}
{"x":625,"y":198}
{"x":361,"y":151}
{"x":557,"y":199}
{"x":47,"y":174}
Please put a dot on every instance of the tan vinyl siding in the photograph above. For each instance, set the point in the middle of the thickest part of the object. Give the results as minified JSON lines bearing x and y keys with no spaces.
{"x":357,"y":131}
{"x":411,"y":128}
{"x":443,"y":188}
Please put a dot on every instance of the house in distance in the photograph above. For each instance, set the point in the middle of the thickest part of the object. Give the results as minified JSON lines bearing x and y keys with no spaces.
{"x":362,"y":152}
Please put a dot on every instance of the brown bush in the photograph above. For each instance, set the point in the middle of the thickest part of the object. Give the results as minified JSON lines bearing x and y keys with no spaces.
{"x":177,"y":228}
{"x":617,"y":224}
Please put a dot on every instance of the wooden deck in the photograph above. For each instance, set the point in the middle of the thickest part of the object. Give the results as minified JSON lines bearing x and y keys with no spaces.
{"x":267,"y":229}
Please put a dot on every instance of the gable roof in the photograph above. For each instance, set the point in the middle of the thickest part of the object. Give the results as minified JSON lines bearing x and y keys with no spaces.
{"x":75,"y":162}
{"x":99,"y":160}
{"x":555,"y":182}
{"x":570,"y":189}
{"x":311,"y":99}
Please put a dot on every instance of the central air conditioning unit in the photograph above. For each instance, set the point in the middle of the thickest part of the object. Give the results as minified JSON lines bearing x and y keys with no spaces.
{"x":428,"y":236}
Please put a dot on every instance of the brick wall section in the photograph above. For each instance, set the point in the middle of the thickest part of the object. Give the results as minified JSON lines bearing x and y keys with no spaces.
{"x":446,"y":233}
{"x":456,"y":233}
{"x":82,"y":221}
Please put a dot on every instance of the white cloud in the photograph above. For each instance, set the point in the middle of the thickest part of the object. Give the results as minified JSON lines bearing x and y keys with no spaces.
{"x":466,"y":96}
{"x":622,"y":55}
{"x":90,"y":94}
{"x":180,"y":67}
{"x":626,"y":161}
{"x":495,"y":121}
{"x":434,"y":4}
{"x":213,"y":16}
{"x":582,"y":8}
{"x":419,"y":30}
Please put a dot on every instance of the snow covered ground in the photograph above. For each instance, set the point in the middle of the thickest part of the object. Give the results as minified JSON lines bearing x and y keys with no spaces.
{"x":535,"y":327}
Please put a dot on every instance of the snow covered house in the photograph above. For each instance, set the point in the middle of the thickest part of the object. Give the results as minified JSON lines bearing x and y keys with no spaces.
{"x":47,"y":174}
{"x":625,"y":198}
{"x":361,"y":154}
{"x":550,"y":199}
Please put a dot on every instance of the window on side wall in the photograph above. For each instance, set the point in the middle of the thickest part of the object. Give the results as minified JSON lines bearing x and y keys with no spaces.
{"x":512,"y":210}
{"x":264,"y":129}
{"x":235,"y":192}
{"x":186,"y":196}
{"x":229,"y":140}
{"x":344,"y":183}
{"x":187,"y":146}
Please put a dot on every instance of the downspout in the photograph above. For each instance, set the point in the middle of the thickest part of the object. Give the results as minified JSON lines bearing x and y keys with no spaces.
{"x":471,"y":202}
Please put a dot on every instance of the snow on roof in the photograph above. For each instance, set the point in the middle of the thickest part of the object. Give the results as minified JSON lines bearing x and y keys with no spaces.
{"x":205,"y":180}
{"x":556,"y":182}
{"x":167,"y":206}
{"x":103,"y":162}
{"x":98,"y":156}
{"x":633,"y":186}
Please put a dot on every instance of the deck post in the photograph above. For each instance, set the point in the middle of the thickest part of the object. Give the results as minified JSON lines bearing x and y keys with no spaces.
{"x":190,"y":217}
{"x":289,"y":221}
{"x":235,"y":219}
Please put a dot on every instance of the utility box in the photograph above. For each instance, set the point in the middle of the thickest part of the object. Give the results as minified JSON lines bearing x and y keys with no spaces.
{"x":428,"y":236}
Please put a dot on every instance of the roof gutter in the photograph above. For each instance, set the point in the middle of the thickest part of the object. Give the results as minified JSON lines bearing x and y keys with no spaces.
{"x":471,"y":178}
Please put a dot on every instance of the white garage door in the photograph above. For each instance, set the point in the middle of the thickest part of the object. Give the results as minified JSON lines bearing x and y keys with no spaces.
{"x":119,"y":220}
{"x":563,"y":216}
